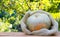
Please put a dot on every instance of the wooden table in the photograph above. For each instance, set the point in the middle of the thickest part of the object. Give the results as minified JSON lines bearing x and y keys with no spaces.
{"x":21,"y":34}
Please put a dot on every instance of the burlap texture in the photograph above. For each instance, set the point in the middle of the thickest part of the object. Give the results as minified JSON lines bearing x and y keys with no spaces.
{"x":44,"y":31}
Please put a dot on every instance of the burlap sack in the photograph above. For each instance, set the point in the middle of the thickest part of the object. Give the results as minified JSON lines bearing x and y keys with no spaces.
{"x":53,"y":30}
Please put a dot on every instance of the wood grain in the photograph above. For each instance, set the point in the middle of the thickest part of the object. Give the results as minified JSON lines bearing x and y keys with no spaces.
{"x":21,"y":34}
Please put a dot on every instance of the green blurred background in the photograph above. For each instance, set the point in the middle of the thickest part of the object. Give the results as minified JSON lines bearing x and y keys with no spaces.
{"x":12,"y":11}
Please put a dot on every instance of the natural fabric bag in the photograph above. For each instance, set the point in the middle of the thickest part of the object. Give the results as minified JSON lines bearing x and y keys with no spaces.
{"x":53,"y":30}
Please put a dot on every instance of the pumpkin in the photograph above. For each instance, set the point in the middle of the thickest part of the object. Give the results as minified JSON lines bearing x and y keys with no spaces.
{"x":38,"y":21}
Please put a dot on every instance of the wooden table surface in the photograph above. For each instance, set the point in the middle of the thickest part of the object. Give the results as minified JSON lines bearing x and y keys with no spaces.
{"x":21,"y":34}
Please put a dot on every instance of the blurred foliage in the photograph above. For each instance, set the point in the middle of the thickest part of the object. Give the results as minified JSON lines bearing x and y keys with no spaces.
{"x":11,"y":12}
{"x":55,"y":15}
